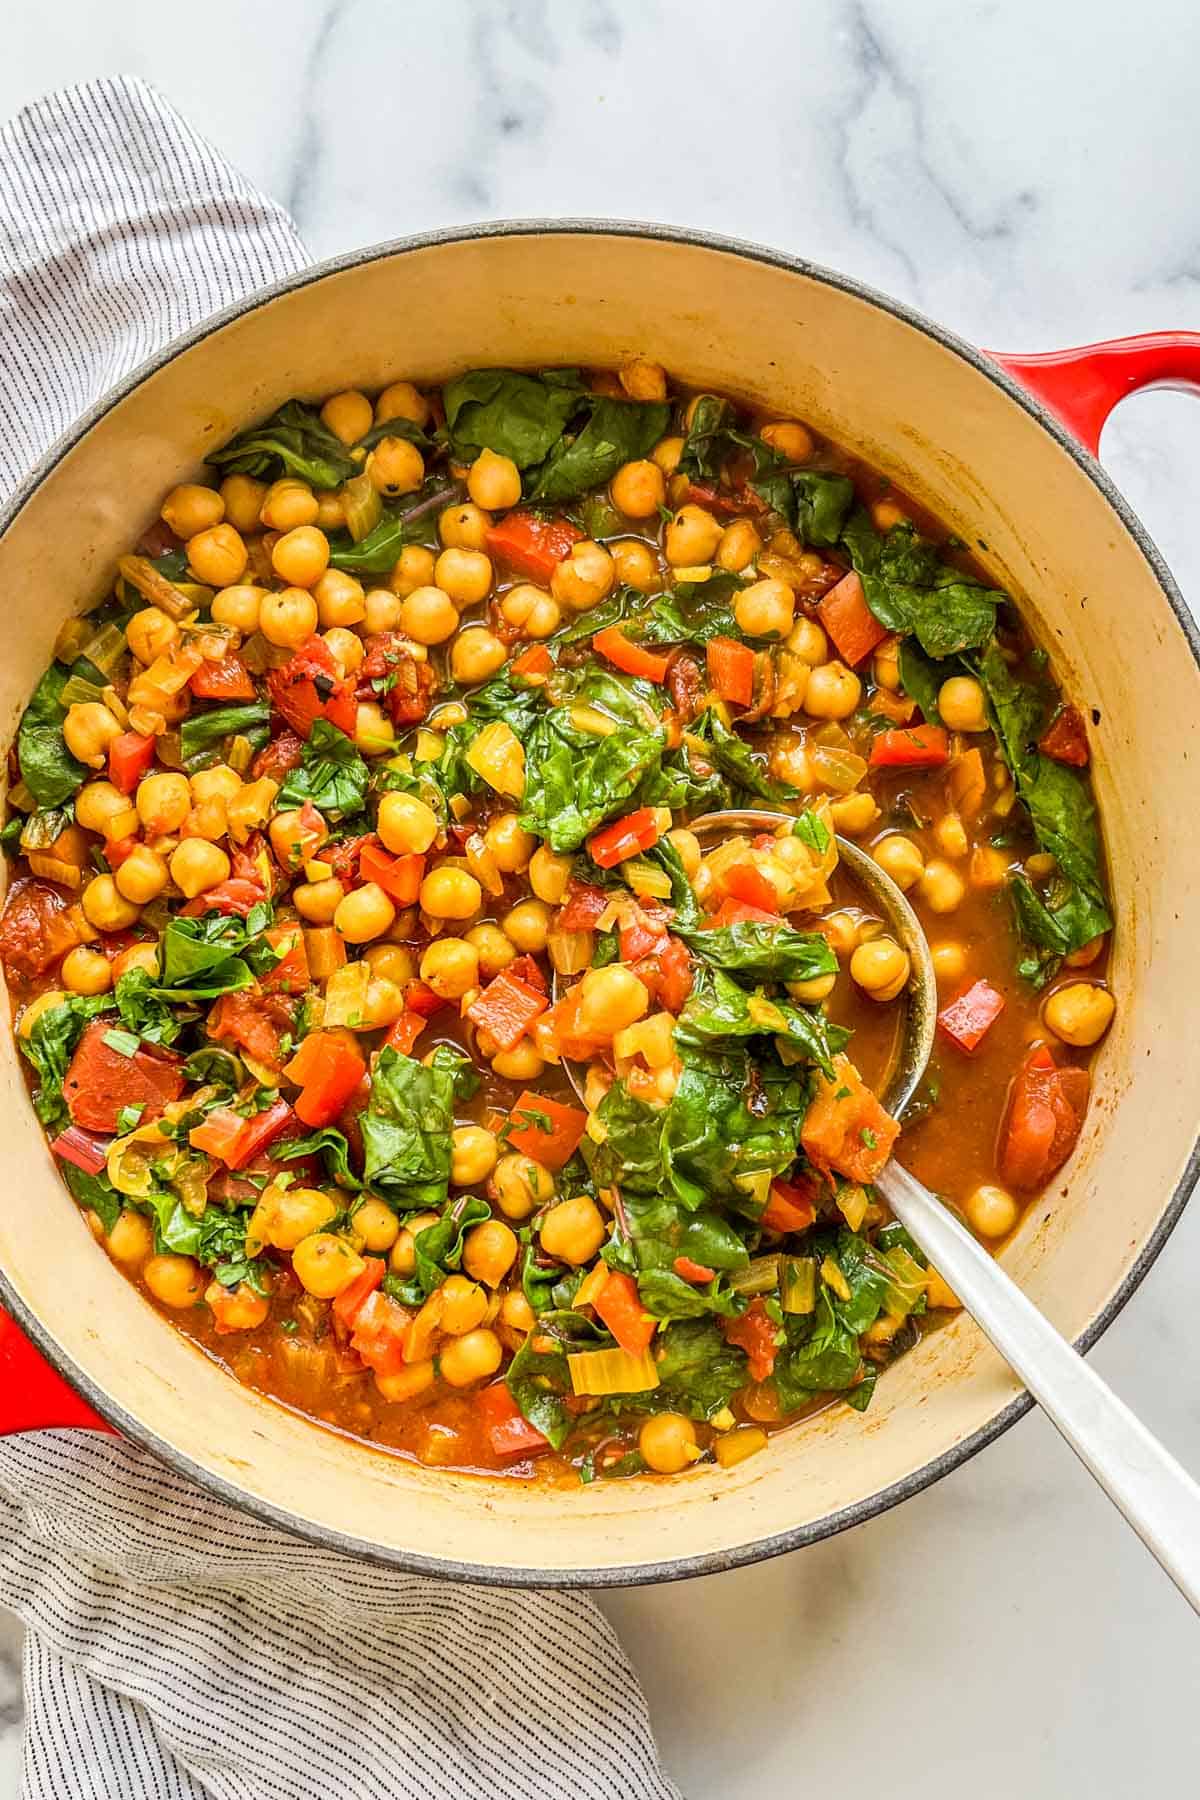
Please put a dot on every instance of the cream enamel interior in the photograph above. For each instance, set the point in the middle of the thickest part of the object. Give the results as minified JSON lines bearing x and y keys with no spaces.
{"x":921,"y":412}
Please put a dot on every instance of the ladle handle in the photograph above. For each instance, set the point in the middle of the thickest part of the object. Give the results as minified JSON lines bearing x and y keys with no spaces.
{"x":1158,"y":1497}
{"x":33,"y":1395}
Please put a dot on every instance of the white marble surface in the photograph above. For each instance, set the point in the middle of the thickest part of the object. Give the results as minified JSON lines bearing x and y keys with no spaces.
{"x":1024,"y":171}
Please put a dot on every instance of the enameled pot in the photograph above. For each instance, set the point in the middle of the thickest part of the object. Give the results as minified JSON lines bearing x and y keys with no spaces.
{"x":956,"y":431}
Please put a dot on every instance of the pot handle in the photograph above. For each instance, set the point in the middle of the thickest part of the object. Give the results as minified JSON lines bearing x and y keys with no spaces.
{"x":34,"y":1396}
{"x":1081,"y":387}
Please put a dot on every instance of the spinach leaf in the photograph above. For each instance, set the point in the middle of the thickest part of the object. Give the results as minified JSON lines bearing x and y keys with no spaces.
{"x":375,"y":554}
{"x":617,"y":432}
{"x":621,"y":603}
{"x":47,"y":767}
{"x":822,"y":1354}
{"x":216,"y":954}
{"x":744,"y":767}
{"x":660,"y":1231}
{"x":762,"y":952}
{"x":685,"y":783}
{"x":330,"y":773}
{"x":732,"y":1118}
{"x":331,"y":1145}
{"x":201,"y":732}
{"x":909,"y":588}
{"x":50,"y":1044}
{"x":515,"y":414}
{"x":630,"y":1154}
{"x":143,"y":1011}
{"x":465,"y":1079}
{"x":921,"y":678}
{"x":698,"y":1372}
{"x":540,"y":1381}
{"x":815,"y":502}
{"x":94,"y":1191}
{"x":695,"y":612}
{"x":293,"y":441}
{"x":406,"y":1132}
{"x":575,"y":780}
{"x":215,"y":1065}
{"x":712,"y":437}
{"x":718,"y":1009}
{"x":438,"y":1249}
{"x":688,"y":912}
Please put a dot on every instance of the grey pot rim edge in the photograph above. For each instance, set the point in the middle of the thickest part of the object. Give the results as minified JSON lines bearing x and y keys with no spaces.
{"x":758,"y":1550}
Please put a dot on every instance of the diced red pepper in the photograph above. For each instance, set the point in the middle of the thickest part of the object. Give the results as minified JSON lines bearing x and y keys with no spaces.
{"x":290,"y":974}
{"x":400,"y":877}
{"x":845,"y":1127}
{"x":739,"y":912}
{"x":687,"y":1270}
{"x":36,"y":929}
{"x":129,"y":756}
{"x":119,"y":850}
{"x":911,"y":747}
{"x":790,"y":1206}
{"x":1066,"y":740}
{"x":419,"y":997}
{"x":405,"y":685}
{"x":252,"y":1022}
{"x":674,"y":974}
{"x":620,"y":1306}
{"x":534,"y":662}
{"x":552,"y":1148}
{"x":508,"y":1430}
{"x":348,"y":1304}
{"x":235,"y":896}
{"x":754,"y":1333}
{"x":641,"y":937}
{"x":966,"y":1020}
{"x":626,"y":837}
{"x":102,"y":1080}
{"x":747,"y":882}
{"x":507,"y":1008}
{"x":845,"y":615}
{"x":405,"y":1032}
{"x":228,"y":679}
{"x":262,"y":1130}
{"x":331,"y":1072}
{"x":74,"y":1145}
{"x":309,"y":687}
{"x":583,"y":907}
{"x":380,"y":1331}
{"x":530,"y":545}
{"x":630,"y":658}
{"x":1045,"y":1115}
{"x":731,"y":670}
{"x":219,"y":1134}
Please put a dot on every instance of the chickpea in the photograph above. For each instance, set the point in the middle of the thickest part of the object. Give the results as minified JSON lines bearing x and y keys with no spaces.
{"x":163,"y":802}
{"x":238,"y":608}
{"x":131,"y":1239}
{"x":142,"y":876}
{"x":1079,"y":1013}
{"x":519,"y":1185}
{"x":392,"y":962}
{"x":325,"y":1264}
{"x":289,"y":503}
{"x":345,"y":648}
{"x":218,"y":556}
{"x":374,"y":733}
{"x":489,"y":1251}
{"x":492,"y":948}
{"x":854,"y":814}
{"x":991,"y":1211}
{"x":406,"y":824}
{"x":106,"y":907}
{"x":511,"y":846}
{"x":767,"y":609}
{"x":464,"y":1305}
{"x":610,"y":999}
{"x":813,"y":991}
{"x":473,"y":1153}
{"x":429,"y":615}
{"x":494,"y":482}
{"x":243,"y":497}
{"x":288,"y":618}
{"x":880,"y":968}
{"x":301,"y":557}
{"x":527,"y":926}
{"x":635,"y":564}
{"x":318,"y":901}
{"x":550,"y":875}
{"x":285,"y":1216}
{"x":209,"y":819}
{"x":464,"y":527}
{"x":900,"y":858}
{"x":151,"y":633}
{"x":384,"y":1004}
{"x":190,"y":509}
{"x":687,"y":845}
{"x":793,"y":441}
{"x":644,"y":380}
{"x":886,"y":514}
{"x":692,"y":537}
{"x":376,"y":1225}
{"x":175,"y":1281}
{"x":807,"y":641}
{"x":451,"y":967}
{"x":961,"y":704}
{"x":138,"y":956}
{"x":582,"y":579}
{"x":98,"y":805}
{"x":401,"y":400}
{"x":466,"y":575}
{"x":363,"y":914}
{"x":339,"y":597}
{"x":949,"y":961}
{"x":950,"y":835}
{"x":402,"y":1258}
{"x":47,"y":1002}
{"x":86,"y":971}
{"x":666,"y":453}
{"x":941,"y":887}
{"x":475,"y":654}
{"x":296,"y":839}
{"x":197,"y":866}
{"x":471,"y":1358}
{"x":740,"y":544}
{"x":530,"y":611}
{"x":516,"y":1312}
{"x":524,"y":1062}
{"x":988,"y":867}
{"x":396,"y":467}
{"x":414,"y":568}
{"x":885,"y":665}
{"x":88,"y":729}
{"x":218,"y":783}
{"x":638,"y":489}
{"x":348,"y":415}
{"x":833,"y":692}
{"x":450,"y":894}
{"x":667,"y":1442}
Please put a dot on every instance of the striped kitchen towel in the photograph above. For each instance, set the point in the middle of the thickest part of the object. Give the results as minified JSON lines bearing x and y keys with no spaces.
{"x":177,"y":1648}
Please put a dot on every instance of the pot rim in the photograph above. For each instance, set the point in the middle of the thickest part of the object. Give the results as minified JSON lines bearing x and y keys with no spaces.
{"x":712,"y":1562}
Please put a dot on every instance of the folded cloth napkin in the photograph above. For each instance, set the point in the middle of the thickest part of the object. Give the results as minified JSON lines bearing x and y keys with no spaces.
{"x":176,"y":1647}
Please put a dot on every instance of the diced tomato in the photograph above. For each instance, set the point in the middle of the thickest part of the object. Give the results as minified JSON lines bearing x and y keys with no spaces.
{"x":262,"y":1130}
{"x":790,"y":1206}
{"x":966,"y":780}
{"x":583,"y":907}
{"x":129,"y":756}
{"x":714,"y":499}
{"x":731,"y":670}
{"x":344,"y":857}
{"x":966,"y":1020}
{"x":687,"y":1270}
{"x":36,"y":929}
{"x":290,"y":974}
{"x":508,"y":1430}
{"x":754,"y":1333}
{"x":527,"y":969}
{"x":228,"y":679}
{"x":253,"y":862}
{"x":913,"y":747}
{"x":74,"y":1145}
{"x":332,"y":1071}
{"x":507,"y":1008}
{"x":745,"y":881}
{"x":620,"y":1306}
{"x":1045,"y":1115}
{"x":102,"y":1080}
{"x":235,"y":897}
{"x":630,"y":658}
{"x":626,"y":837}
{"x":254,"y":1021}
{"x":641,"y":937}
{"x":845,"y":1127}
{"x":380,"y":1331}
{"x":219,"y":1133}
{"x":278,"y":758}
{"x":391,"y":673}
{"x":400,"y":877}
{"x":309,"y":687}
{"x":348,"y":1304}
{"x":119,"y":850}
{"x":845,"y":615}
{"x":739,"y":912}
{"x":1066,"y":739}
{"x":674,"y":974}
{"x":534,"y":663}
{"x":530,"y":545}
{"x":554,"y":1147}
{"x":419,"y":997}
{"x":403,"y":1034}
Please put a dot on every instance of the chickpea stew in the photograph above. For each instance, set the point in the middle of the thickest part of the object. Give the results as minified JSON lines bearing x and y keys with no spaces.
{"x":356,"y":817}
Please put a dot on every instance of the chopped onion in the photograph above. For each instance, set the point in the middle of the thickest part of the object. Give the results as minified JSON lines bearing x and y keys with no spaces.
{"x":840,"y":770}
{"x":363,"y":506}
{"x":52,"y":868}
{"x":571,"y":951}
{"x":483,"y":864}
{"x":600,"y":1372}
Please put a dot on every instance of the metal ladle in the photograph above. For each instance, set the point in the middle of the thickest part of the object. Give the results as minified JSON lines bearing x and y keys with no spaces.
{"x":1156,"y":1495}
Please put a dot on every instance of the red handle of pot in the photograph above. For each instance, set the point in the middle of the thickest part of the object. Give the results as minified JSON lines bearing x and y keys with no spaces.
{"x":34,"y":1396}
{"x":1081,"y":387}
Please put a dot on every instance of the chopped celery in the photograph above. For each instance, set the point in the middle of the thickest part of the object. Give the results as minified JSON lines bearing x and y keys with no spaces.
{"x":105,"y":650}
{"x":853,"y":1202}
{"x":600,"y":1372}
{"x":833,"y":1278}
{"x":647,"y":882}
{"x":760,"y":1276}
{"x":906,"y":1288}
{"x":79,"y":692}
{"x":799,"y":1284}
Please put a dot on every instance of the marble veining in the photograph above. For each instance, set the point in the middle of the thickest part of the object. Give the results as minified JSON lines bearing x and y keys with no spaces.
{"x":1024,"y":172}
